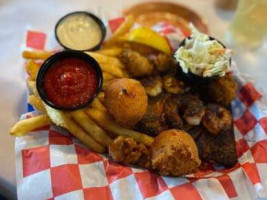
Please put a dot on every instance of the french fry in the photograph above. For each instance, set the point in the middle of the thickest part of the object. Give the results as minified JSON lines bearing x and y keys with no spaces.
{"x":103,"y":119}
{"x":134,"y":46}
{"x":106,"y":59}
{"x":27,"y":125}
{"x":37,"y":103}
{"x":32,"y":85}
{"x":124,"y":28}
{"x":107,"y":76}
{"x":101,"y":96}
{"x":110,"y":68}
{"x":32,"y":68}
{"x":97,"y":133}
{"x":37,"y":55}
{"x":98,"y":105}
{"x":63,"y":120}
{"x":113,"y":51}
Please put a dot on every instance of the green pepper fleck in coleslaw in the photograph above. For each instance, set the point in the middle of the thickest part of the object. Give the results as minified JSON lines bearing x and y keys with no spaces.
{"x":202,"y":56}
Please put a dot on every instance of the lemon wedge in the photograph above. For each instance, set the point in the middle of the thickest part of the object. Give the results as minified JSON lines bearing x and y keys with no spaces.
{"x":148,"y":37}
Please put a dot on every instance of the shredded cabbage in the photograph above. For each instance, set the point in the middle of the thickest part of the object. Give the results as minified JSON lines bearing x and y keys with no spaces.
{"x":202,"y":56}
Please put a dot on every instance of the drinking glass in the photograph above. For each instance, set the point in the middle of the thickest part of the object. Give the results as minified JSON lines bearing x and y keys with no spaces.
{"x":249,"y":26}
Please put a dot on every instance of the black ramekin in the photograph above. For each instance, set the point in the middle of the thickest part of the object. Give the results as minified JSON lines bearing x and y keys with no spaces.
{"x":59,"y":56}
{"x":191,"y":77}
{"x":97,"y":20}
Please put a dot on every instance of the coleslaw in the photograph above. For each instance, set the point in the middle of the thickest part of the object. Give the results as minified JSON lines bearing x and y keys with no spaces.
{"x":203,"y":56}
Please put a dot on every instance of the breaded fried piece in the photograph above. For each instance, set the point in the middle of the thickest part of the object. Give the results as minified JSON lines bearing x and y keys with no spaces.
{"x":126,"y":100}
{"x":136,"y":64}
{"x":175,"y":153}
{"x":127,"y":151}
{"x":223,"y":90}
{"x":172,"y":85}
{"x":217,"y":119}
{"x":219,"y":149}
{"x":163,"y":62}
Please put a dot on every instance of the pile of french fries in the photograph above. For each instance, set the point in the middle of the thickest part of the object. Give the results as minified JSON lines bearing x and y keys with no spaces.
{"x":93,"y":125}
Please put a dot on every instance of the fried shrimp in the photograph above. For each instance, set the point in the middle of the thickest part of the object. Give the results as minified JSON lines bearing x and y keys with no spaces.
{"x":172,"y":85}
{"x":193,"y":109}
{"x":217,"y":119}
{"x":152,"y":85}
{"x":136,"y":64}
{"x":127,"y":151}
{"x":187,"y":107}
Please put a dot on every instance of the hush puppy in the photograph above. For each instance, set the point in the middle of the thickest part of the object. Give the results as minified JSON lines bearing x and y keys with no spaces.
{"x":175,"y":153}
{"x":126,"y":100}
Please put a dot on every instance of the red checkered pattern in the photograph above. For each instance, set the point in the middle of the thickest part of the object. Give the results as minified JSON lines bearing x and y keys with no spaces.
{"x":51,"y":164}
{"x":115,"y":23}
{"x":228,"y":185}
{"x":35,"y":40}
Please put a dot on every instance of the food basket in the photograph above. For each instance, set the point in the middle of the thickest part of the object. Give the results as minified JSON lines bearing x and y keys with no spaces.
{"x":52,"y":164}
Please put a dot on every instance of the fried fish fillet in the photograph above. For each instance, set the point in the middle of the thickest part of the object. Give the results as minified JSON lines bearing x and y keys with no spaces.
{"x":219,"y":149}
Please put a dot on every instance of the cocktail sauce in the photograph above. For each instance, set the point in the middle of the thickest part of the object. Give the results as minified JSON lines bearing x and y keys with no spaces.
{"x":70,"y":82}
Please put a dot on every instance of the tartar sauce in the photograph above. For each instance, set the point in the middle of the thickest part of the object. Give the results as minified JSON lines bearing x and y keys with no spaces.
{"x":79,"y":32}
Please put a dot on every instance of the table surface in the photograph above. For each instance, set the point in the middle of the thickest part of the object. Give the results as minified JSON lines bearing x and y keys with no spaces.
{"x":16,"y":16}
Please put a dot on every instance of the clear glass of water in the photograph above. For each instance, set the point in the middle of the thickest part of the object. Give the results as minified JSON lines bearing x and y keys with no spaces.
{"x":249,"y":26}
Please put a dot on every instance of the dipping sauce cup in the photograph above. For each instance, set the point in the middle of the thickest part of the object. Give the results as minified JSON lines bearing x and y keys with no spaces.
{"x":69,"y":80}
{"x":81,"y":31}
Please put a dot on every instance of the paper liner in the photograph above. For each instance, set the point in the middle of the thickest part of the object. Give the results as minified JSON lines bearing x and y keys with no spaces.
{"x":51,"y":164}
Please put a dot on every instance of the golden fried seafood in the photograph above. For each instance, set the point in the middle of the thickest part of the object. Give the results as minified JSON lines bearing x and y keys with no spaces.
{"x":163,"y":62}
{"x":172,"y":85}
{"x":126,"y":101}
{"x":127,"y":151}
{"x":217,"y":119}
{"x":152,"y":85}
{"x":175,"y":153}
{"x":136,"y":64}
{"x":223,"y":90}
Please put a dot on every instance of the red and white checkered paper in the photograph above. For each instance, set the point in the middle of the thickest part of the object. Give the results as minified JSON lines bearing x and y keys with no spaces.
{"x":51,"y":164}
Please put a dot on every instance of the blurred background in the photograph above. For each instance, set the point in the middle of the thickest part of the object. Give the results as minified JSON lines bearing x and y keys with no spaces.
{"x":223,"y":20}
